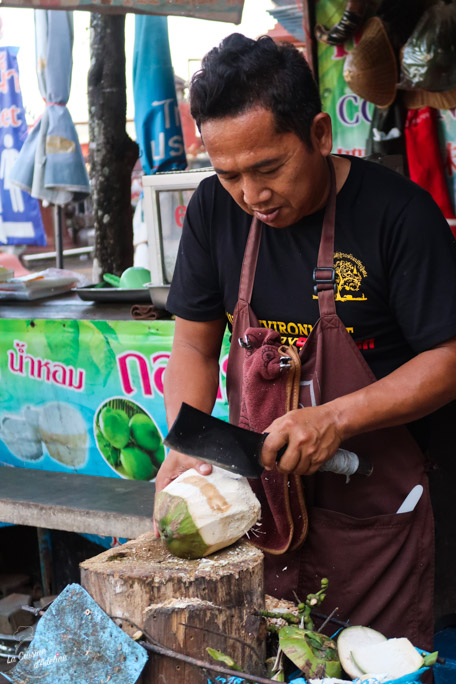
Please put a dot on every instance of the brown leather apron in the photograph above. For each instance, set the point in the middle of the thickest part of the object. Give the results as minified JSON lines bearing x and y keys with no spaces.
{"x":380,"y":564}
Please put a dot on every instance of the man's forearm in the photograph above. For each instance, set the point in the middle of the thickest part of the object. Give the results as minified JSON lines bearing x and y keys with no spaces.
{"x":313,"y":434}
{"x":192,"y":378}
{"x":192,"y":374}
{"x":414,"y":390}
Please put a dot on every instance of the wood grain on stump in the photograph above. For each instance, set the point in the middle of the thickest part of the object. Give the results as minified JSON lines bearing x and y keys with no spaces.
{"x":185,"y":605}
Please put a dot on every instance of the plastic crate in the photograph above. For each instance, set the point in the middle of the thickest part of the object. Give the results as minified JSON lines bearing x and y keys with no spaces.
{"x":445,"y":644}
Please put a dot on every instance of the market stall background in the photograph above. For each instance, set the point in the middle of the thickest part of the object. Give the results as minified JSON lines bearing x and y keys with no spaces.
{"x":352,"y":115}
{"x":70,"y":370}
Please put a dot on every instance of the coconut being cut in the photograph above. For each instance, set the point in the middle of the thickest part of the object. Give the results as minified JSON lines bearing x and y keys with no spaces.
{"x":197,"y":515}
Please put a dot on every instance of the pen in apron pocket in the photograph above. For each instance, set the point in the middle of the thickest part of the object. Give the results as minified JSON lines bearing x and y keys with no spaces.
{"x":411,"y":500}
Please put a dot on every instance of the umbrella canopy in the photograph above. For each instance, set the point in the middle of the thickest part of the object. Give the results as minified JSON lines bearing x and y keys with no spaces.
{"x":50,"y":165}
{"x":20,"y":217}
{"x":157,"y":121}
{"x":219,"y":10}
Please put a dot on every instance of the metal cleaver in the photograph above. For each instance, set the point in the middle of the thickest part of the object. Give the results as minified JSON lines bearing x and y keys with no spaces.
{"x":215,"y":441}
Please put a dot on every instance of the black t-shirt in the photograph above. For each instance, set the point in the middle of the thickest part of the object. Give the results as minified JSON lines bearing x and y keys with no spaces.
{"x":395,"y":261}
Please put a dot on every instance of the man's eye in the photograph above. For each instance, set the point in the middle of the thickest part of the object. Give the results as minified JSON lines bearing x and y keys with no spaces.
{"x":268,"y":172}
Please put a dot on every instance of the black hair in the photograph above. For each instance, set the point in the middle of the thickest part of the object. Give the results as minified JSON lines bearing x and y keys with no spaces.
{"x":242,"y":73}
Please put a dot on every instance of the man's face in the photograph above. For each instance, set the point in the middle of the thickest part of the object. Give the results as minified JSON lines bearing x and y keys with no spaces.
{"x":273,"y":176}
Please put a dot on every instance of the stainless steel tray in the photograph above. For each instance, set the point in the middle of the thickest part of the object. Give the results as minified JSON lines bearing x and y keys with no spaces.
{"x":93,"y":293}
{"x":158,"y":295}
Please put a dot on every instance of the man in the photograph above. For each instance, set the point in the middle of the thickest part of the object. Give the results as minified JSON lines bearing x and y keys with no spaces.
{"x":390,"y":278}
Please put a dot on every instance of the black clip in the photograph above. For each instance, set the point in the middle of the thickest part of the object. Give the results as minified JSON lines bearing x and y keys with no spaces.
{"x":324,"y":281}
{"x":285,"y":362}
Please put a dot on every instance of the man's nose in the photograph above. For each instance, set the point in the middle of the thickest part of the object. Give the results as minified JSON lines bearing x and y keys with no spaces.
{"x":255,"y":192}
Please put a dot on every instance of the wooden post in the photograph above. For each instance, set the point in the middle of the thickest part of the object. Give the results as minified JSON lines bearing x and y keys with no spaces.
{"x":112,"y":153}
{"x":184,"y":605}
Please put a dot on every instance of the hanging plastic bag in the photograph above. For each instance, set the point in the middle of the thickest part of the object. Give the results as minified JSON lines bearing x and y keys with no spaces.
{"x":429,"y":55}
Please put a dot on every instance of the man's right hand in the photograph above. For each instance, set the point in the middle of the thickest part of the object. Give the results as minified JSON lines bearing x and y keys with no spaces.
{"x":174,"y":465}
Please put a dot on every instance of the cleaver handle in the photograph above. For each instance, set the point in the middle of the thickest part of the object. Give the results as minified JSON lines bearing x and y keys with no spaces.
{"x":343,"y":462}
{"x":347,"y":463}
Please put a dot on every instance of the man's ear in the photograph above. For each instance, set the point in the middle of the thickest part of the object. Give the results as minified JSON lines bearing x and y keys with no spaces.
{"x":321,"y":133}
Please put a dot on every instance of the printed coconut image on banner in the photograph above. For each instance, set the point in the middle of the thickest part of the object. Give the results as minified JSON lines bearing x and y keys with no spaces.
{"x":20,"y":217}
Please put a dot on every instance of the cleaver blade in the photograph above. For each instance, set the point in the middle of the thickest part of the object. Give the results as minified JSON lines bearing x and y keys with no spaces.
{"x":228,"y":446}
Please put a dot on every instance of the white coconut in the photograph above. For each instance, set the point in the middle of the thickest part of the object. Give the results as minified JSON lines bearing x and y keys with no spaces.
{"x":62,"y":428}
{"x":394,"y":657}
{"x":218,"y":509}
{"x":21,"y":436}
{"x":351,"y":639}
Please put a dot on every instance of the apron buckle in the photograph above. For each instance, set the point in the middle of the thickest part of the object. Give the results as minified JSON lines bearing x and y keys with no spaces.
{"x":331,"y":280}
{"x":244,"y":342}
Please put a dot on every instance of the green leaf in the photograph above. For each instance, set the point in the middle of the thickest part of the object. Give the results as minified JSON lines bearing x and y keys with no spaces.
{"x":313,"y":653}
{"x":223,"y":658}
{"x":105,"y":329}
{"x":279,"y":676}
{"x":430,"y":659}
{"x":62,"y":338}
{"x":101,"y":353}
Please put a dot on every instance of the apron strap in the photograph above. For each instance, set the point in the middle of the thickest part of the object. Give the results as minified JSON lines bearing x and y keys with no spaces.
{"x":324,"y":276}
{"x":249,"y":261}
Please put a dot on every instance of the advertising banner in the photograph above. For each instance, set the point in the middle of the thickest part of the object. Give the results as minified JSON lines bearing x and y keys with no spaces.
{"x":20,"y":217}
{"x":218,"y":10}
{"x":87,"y":396}
{"x":350,"y":114}
{"x":447,"y":134}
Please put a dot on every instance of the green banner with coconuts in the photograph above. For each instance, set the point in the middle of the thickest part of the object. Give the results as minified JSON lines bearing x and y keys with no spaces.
{"x":87,"y":396}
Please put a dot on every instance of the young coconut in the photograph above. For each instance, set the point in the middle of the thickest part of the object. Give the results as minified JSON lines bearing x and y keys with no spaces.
{"x":351,"y":639}
{"x":394,"y":657}
{"x":199,"y":514}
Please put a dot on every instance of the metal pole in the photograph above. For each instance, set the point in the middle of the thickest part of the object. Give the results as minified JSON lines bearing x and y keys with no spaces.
{"x":58,"y":240}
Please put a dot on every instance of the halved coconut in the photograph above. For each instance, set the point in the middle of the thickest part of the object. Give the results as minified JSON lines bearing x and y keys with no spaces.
{"x":20,"y":434}
{"x":394,"y":657}
{"x":64,"y":431}
{"x":199,"y":514}
{"x":353,"y":638}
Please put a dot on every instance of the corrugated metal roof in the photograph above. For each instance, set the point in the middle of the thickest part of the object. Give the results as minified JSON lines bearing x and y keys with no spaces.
{"x":290,"y":16}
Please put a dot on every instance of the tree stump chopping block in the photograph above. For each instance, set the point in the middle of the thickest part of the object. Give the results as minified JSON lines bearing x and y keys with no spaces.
{"x":169,"y":598}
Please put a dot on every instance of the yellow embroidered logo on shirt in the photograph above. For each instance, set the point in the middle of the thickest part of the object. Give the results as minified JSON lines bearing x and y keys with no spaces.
{"x":349,"y":276}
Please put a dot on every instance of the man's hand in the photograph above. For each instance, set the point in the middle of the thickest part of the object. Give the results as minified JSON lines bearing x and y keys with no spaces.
{"x":174,"y":465}
{"x":312,"y":436}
